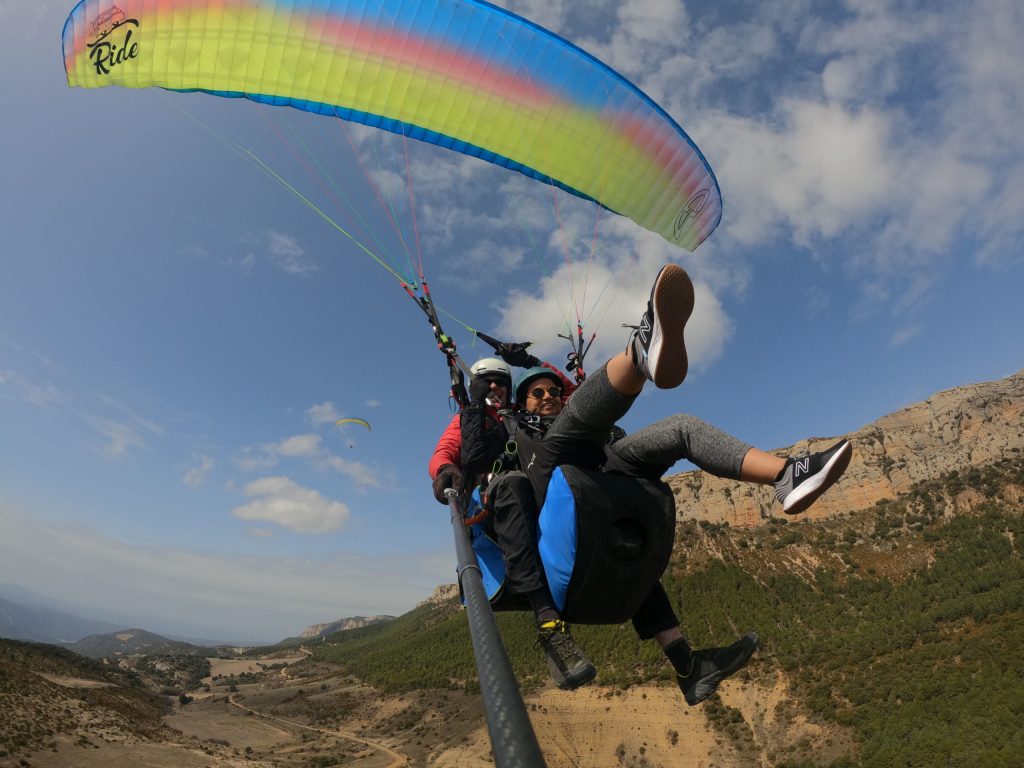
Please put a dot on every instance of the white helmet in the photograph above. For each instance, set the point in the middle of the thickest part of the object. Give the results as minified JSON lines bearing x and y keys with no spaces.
{"x":491,"y":366}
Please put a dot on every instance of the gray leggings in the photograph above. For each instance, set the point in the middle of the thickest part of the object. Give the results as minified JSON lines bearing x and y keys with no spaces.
{"x":593,"y":410}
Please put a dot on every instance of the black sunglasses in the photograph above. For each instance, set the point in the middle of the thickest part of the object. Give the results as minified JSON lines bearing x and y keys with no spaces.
{"x":538,"y":392}
{"x":495,"y":380}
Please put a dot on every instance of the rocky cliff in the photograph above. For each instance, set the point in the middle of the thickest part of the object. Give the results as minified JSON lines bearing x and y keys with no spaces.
{"x":355,"y":622}
{"x":951,"y":430}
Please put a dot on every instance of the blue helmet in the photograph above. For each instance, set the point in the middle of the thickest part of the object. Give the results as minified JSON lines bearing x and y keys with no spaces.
{"x":532,"y":374}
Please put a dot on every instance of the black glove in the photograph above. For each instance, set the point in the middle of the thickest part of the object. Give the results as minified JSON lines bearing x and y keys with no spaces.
{"x":514,"y":353}
{"x":479,"y":390}
{"x":448,"y":476}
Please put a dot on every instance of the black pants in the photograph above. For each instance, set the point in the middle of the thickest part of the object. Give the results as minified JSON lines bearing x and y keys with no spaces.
{"x":513,"y":523}
{"x":655,"y":614}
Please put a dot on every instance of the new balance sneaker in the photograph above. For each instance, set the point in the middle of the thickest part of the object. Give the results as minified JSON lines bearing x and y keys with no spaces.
{"x":569,"y":667}
{"x":711,"y":666}
{"x":657,"y":345}
{"x":804,"y":479}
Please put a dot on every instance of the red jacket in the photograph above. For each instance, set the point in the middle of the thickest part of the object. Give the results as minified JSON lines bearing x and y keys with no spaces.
{"x":449,"y":448}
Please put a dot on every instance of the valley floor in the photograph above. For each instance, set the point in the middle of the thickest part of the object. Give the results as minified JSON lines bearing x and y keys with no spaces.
{"x":299,"y":713}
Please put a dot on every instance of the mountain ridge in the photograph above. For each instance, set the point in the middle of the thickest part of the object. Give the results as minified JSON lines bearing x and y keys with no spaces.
{"x":46,"y":625}
{"x":953,"y":429}
{"x":341,"y":625}
{"x":130,"y":642}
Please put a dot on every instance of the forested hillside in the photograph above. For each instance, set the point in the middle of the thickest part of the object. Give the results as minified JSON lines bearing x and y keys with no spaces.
{"x":903,"y":623}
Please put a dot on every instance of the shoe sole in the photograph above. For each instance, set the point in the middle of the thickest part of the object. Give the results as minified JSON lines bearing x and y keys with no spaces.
{"x":809,"y":491}
{"x":672,"y":304}
{"x":710,"y":683}
{"x":574,"y":679}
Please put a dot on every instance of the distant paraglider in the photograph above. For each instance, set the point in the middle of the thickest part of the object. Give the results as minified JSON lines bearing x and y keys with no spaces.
{"x":353,"y":420}
{"x":350,"y":420}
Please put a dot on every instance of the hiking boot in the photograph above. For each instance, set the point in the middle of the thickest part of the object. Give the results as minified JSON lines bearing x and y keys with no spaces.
{"x":657,"y":346}
{"x":569,"y":667}
{"x":711,"y":666}
{"x":806,"y":478}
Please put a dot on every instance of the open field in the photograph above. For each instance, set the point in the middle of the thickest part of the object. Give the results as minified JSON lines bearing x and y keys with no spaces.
{"x":232,"y":667}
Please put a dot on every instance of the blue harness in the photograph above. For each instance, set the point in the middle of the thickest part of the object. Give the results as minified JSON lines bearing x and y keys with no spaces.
{"x":604,"y":541}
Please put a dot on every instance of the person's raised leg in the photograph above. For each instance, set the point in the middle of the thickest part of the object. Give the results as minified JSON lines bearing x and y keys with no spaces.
{"x":761,"y":467}
{"x":657,"y":348}
{"x":656,"y":352}
{"x":650,"y":452}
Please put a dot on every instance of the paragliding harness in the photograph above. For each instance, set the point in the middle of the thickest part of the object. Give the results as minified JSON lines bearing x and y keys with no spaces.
{"x":604,"y":539}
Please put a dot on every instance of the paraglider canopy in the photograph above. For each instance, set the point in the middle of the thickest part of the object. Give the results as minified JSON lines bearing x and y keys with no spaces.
{"x":352,"y":420}
{"x":462,"y":74}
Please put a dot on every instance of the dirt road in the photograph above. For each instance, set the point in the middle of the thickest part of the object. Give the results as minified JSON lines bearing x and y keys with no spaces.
{"x":398,"y":760}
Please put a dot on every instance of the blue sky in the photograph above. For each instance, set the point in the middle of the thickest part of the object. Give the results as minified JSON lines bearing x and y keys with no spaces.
{"x":178,"y":333}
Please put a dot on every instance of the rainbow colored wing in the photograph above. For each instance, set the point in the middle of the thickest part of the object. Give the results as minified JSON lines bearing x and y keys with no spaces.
{"x":462,"y":74}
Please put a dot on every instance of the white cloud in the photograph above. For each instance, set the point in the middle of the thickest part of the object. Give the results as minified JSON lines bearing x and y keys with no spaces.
{"x":866,"y":49}
{"x":121,"y":435}
{"x":941,"y":190}
{"x":196,"y":474}
{"x":323,"y":413}
{"x":282,"y":501}
{"x":282,"y":250}
{"x":143,"y":424}
{"x":904,"y":335}
{"x":285,"y":251}
{"x":361,"y":474}
{"x":1002,"y":223}
{"x":256,"y":459}
{"x":373,"y":403}
{"x":309,"y":446}
{"x":956,"y":150}
{"x":246,"y":262}
{"x":298,"y":445}
{"x":121,"y":438}
{"x":820,"y":170}
{"x":14,"y":386}
{"x":646,"y":30}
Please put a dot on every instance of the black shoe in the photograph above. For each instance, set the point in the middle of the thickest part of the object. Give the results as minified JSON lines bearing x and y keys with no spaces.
{"x":657,"y":346}
{"x":569,"y":667}
{"x":711,"y":666}
{"x":806,"y":478}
